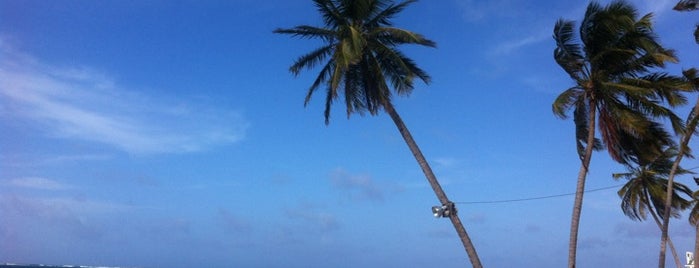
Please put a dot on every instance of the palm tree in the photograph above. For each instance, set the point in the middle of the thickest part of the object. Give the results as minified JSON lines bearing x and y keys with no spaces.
{"x":359,"y":58}
{"x":645,"y":191}
{"x":684,"y":5}
{"x":616,"y":89}
{"x":692,"y":79}
{"x":694,"y":220}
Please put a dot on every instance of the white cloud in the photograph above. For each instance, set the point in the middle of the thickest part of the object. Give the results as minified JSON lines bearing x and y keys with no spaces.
{"x":516,"y":44}
{"x":38,"y":183}
{"x":81,"y":104}
{"x":446,"y":161}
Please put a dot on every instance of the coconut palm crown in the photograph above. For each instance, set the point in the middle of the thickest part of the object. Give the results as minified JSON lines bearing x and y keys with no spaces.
{"x":615,"y":70}
{"x":359,"y":54}
{"x":646,"y":188}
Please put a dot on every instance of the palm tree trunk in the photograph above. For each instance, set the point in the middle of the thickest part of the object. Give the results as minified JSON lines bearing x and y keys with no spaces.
{"x":432,"y":179}
{"x":580,"y":188}
{"x":696,"y":244}
{"x":669,"y":240}
{"x":670,"y":180}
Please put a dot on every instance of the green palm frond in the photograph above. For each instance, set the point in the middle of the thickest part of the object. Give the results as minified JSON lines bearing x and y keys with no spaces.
{"x":308,"y":32}
{"x":394,"y":36}
{"x":694,"y":213}
{"x":566,"y":100}
{"x":567,"y":54}
{"x":330,"y":13}
{"x":310,"y":60}
{"x":323,"y":76}
{"x":687,"y":5}
{"x":384,"y":16}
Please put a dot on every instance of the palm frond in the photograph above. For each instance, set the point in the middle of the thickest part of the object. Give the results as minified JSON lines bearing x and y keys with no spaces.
{"x":565,"y":101}
{"x":310,"y":60}
{"x":330,"y":13}
{"x":687,"y":5}
{"x":395,"y":36}
{"x":567,"y":54}
{"x":384,"y":16}
{"x":308,"y":32}
{"x":322,"y":77}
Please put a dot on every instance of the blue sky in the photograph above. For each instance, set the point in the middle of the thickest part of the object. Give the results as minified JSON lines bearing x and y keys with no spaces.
{"x":171,"y":134}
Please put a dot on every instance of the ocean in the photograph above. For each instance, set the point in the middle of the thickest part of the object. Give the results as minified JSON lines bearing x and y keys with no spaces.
{"x":12,"y":265}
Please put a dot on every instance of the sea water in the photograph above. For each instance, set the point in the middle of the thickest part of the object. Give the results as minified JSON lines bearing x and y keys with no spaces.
{"x":11,"y":265}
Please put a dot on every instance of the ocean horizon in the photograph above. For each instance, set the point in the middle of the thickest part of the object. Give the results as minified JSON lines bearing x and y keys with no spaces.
{"x":18,"y":265}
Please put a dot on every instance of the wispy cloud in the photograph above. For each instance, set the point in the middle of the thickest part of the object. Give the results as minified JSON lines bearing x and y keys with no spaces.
{"x":38,"y":183}
{"x":446,"y":161}
{"x":317,"y":220}
{"x":76,"y":217}
{"x":233,"y":222}
{"x":82,"y":104}
{"x":360,"y":186}
{"x":474,"y":10}
{"x":514,"y":45}
{"x":636,"y":230}
{"x":593,"y":243}
{"x":658,"y":7}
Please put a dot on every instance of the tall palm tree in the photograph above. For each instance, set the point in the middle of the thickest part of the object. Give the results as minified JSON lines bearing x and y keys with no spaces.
{"x":359,"y":60}
{"x":692,"y":79}
{"x":694,"y":220}
{"x":616,"y":89}
{"x":644,"y":193}
{"x":683,"y":5}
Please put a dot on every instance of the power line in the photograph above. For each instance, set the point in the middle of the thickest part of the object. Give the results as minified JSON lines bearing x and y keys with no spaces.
{"x":535,"y":198}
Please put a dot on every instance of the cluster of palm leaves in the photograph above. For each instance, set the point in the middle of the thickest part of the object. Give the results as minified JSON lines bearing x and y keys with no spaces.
{"x":618,"y":94}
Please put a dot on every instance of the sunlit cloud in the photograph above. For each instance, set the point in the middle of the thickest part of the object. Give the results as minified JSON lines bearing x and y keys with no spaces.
{"x":82,"y":104}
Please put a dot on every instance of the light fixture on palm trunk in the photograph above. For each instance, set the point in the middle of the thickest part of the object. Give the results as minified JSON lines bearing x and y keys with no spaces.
{"x":444,"y":211}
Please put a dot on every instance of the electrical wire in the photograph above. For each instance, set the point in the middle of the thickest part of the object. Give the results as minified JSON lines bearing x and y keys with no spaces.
{"x":535,"y":198}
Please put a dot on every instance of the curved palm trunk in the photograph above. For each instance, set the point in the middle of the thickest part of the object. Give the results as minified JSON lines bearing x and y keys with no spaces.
{"x":432,"y":179}
{"x":580,"y":188}
{"x":670,"y":180}
{"x":669,"y":240}
{"x":696,"y":244}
